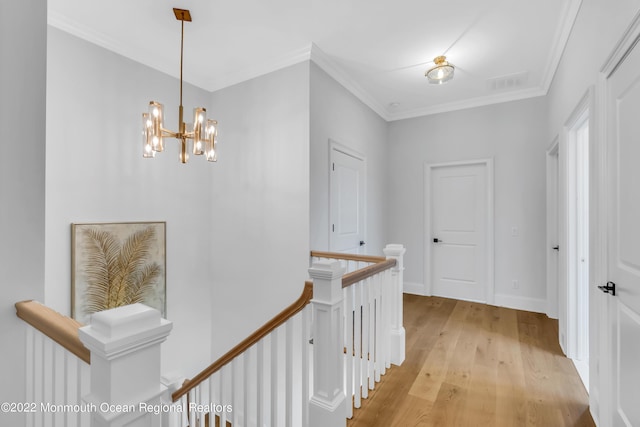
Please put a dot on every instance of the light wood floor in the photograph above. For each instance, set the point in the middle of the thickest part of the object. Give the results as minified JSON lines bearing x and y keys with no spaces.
{"x":475,"y":365}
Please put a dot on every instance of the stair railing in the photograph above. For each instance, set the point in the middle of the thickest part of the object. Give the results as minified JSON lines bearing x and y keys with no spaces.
{"x":299,"y":369}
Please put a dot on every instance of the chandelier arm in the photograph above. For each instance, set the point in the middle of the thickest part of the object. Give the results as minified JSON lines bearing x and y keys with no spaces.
{"x":167,"y":132}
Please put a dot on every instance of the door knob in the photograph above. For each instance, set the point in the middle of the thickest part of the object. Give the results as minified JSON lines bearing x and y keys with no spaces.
{"x":436,"y":240}
{"x":556,"y":248}
{"x":361,"y":242}
{"x":609,"y":288}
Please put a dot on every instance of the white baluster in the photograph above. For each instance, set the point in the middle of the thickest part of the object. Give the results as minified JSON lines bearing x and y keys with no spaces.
{"x":365,"y":338}
{"x":222,"y":394}
{"x":305,"y":364}
{"x":372,"y":329}
{"x":379,"y":357}
{"x":236,"y":384}
{"x":30,"y":363}
{"x":357,"y":342}
{"x":274,"y":378}
{"x":84,"y":389}
{"x":260,"y":409}
{"x":288,"y":373}
{"x":349,"y":356}
{"x":213,"y":389}
{"x":246,"y":409}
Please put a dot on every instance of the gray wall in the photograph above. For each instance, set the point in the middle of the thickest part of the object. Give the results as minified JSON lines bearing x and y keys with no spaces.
{"x":337,"y":114}
{"x":513,"y":134}
{"x":259,"y":227}
{"x":230,"y":225}
{"x":22,"y":184}
{"x":96,"y":173}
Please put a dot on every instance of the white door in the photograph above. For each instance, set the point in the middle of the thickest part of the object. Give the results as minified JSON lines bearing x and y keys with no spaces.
{"x":458,"y":200}
{"x":623,"y":140}
{"x":346,"y":204}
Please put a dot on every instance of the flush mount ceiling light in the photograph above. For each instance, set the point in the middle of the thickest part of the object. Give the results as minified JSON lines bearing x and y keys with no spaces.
{"x":441,"y":73}
{"x":204,"y":132}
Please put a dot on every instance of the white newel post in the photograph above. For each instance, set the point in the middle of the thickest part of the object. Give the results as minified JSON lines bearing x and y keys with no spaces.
{"x":125,"y":365}
{"x":327,"y":406}
{"x":395,"y":251}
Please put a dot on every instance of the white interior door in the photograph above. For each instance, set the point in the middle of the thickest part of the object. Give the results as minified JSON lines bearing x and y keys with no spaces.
{"x":459,"y":231}
{"x":623,"y":95}
{"x":347,"y":202}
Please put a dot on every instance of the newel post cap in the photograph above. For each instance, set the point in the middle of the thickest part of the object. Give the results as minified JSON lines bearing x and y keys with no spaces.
{"x":120,"y":330}
{"x":394,"y":250}
{"x":327,"y":281}
{"x":327,"y":270}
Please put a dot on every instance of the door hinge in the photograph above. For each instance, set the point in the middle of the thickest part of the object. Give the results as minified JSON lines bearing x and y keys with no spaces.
{"x":333,"y":228}
{"x":333,"y":166}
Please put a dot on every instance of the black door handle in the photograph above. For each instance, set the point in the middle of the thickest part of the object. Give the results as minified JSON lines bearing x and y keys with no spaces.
{"x":436,"y":240}
{"x":361,"y":242}
{"x":609,"y":288}
{"x":556,"y":248}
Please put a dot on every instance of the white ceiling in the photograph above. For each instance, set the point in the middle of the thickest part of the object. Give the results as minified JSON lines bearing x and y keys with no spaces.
{"x":378,"y":49}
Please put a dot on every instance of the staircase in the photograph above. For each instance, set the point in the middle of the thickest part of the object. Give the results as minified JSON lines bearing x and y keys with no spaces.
{"x":308,"y":366}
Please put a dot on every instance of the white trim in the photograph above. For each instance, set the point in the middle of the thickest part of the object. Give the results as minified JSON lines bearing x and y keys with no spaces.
{"x":480,"y":101}
{"x":583,"y":372}
{"x":536,"y":305}
{"x":575,"y":333}
{"x":414,"y":288}
{"x":324,"y":61}
{"x":196,"y":78}
{"x":231,"y":78}
{"x":337,"y":146}
{"x":329,"y":66}
{"x":490,"y":280}
{"x":561,"y":37}
{"x":553,"y":257}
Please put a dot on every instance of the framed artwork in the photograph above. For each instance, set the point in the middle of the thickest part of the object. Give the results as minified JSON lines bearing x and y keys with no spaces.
{"x":115,"y":264}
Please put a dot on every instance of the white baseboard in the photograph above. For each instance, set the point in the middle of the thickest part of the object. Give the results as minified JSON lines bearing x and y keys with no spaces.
{"x":414,"y":288}
{"x":583,"y":371}
{"x":536,"y":305}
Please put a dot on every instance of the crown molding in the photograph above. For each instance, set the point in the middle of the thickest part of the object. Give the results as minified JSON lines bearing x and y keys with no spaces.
{"x":229,"y":79}
{"x":90,"y":35}
{"x":560,"y":40}
{"x":313,"y":53}
{"x":469,"y":103}
{"x":329,"y":66}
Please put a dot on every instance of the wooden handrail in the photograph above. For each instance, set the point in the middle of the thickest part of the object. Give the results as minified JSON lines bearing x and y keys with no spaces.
{"x":267,"y":328}
{"x":358,"y":275}
{"x":61,"y":329}
{"x":348,"y":257}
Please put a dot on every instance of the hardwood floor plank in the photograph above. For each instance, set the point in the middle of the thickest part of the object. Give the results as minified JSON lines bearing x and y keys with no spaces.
{"x":432,"y":375}
{"x":473,"y":365}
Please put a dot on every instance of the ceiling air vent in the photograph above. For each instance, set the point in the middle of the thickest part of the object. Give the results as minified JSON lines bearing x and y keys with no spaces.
{"x":509,"y":82}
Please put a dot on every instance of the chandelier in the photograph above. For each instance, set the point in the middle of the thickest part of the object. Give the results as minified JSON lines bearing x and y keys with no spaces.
{"x":204,"y":132}
{"x":441,"y":73}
